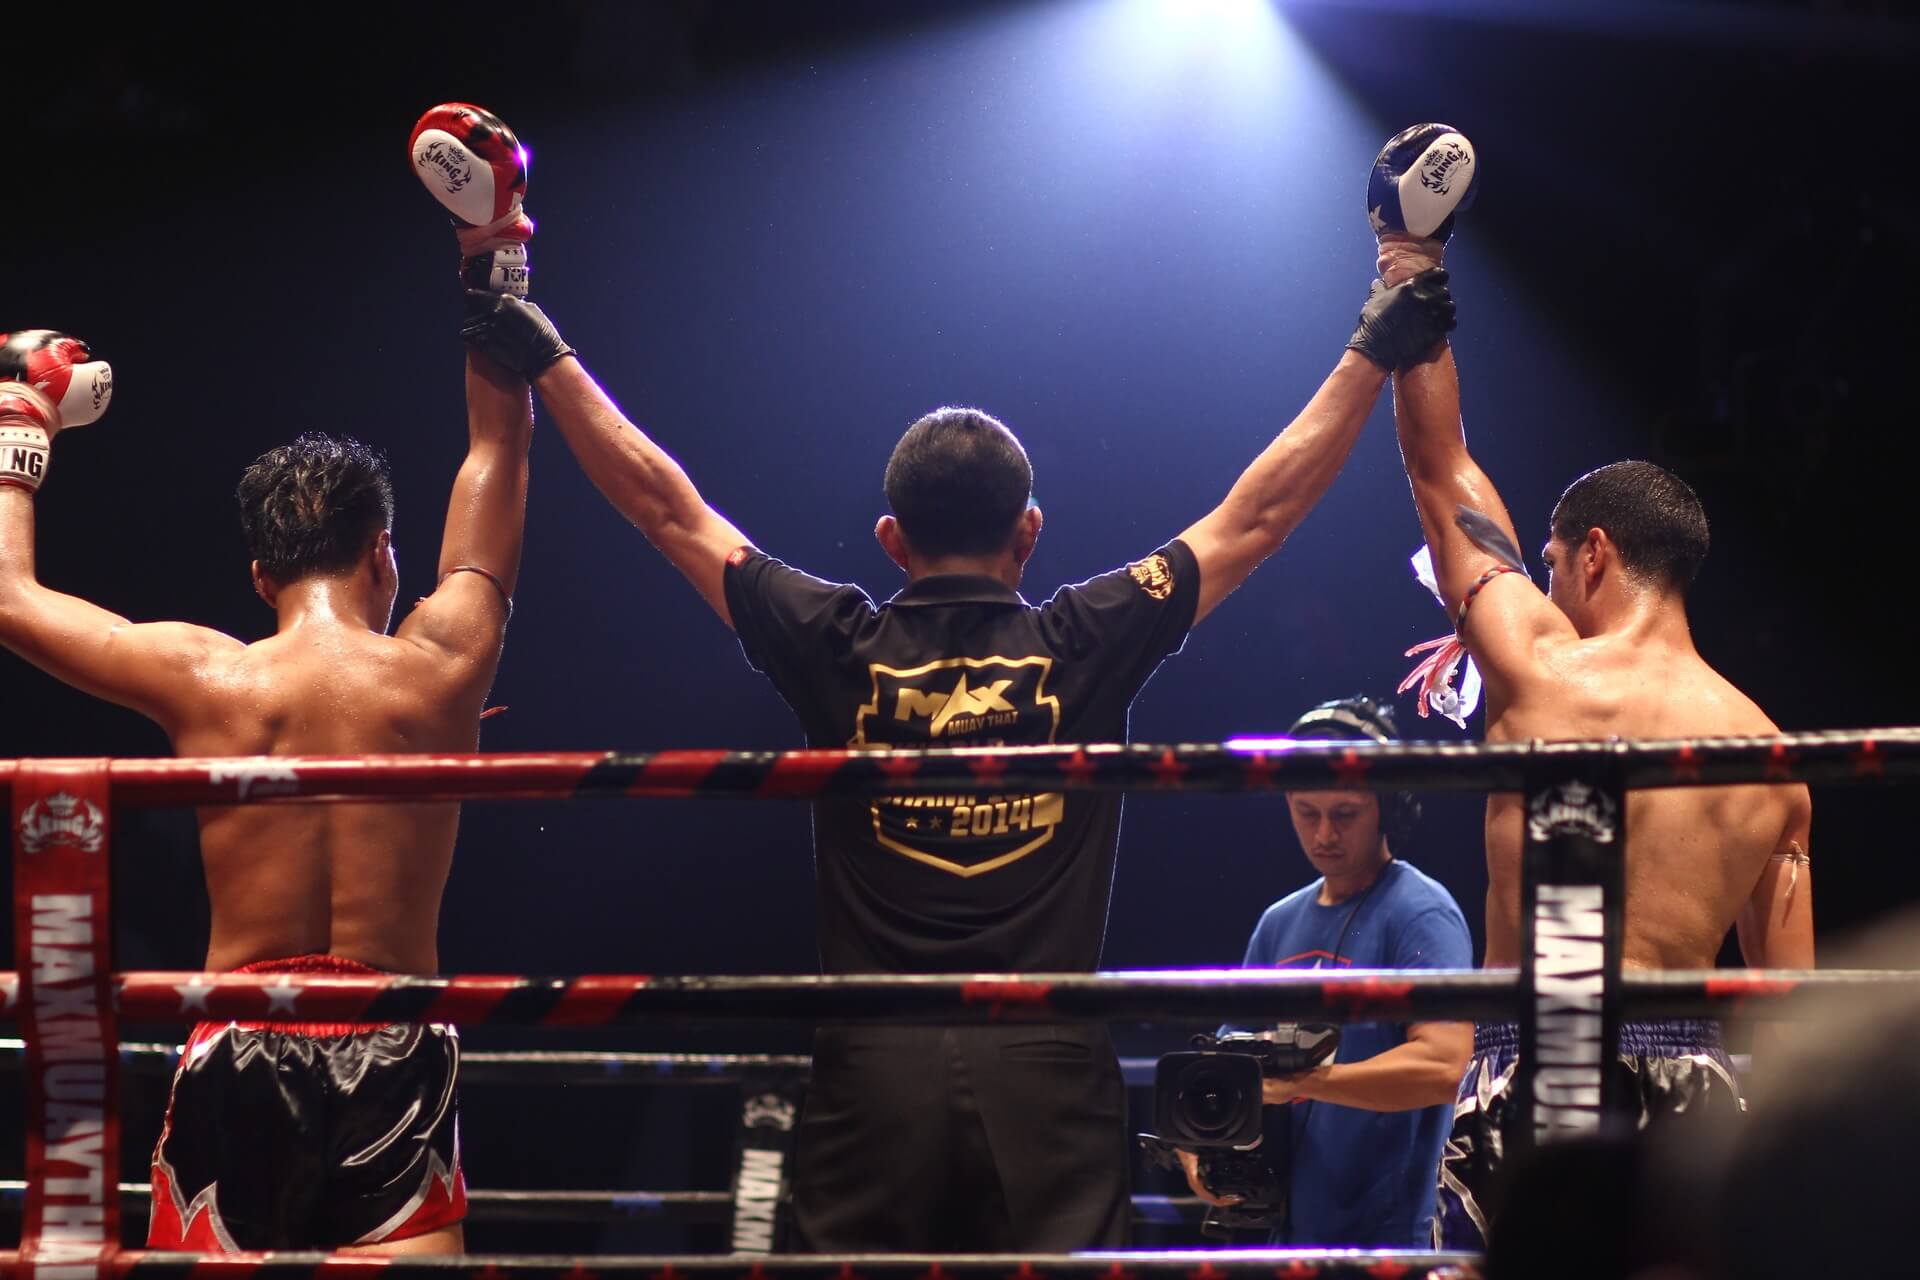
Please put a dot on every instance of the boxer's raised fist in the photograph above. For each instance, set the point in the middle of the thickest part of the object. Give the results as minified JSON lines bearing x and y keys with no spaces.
{"x":1420,"y":180}
{"x":472,"y":163}
{"x":48,"y":381}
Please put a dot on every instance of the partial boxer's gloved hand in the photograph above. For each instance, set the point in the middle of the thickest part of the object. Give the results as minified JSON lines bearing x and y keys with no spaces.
{"x":1404,"y":256}
{"x":48,"y":381}
{"x":1401,"y":325}
{"x":512,"y":333}
{"x":1420,"y":179}
{"x":473,"y":164}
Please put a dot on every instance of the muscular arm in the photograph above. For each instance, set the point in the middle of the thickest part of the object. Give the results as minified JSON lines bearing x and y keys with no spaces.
{"x":1508,"y":619}
{"x":1776,"y":924}
{"x":148,"y":667}
{"x":465,"y":618}
{"x":1274,"y":494}
{"x":642,"y":482}
{"x":1423,"y":1072}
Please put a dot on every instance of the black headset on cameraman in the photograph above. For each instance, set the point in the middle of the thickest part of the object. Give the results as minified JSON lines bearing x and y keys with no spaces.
{"x":1364,"y":717}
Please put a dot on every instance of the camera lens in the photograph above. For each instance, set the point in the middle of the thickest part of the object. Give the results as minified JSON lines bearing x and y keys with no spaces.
{"x":1210,"y":1101}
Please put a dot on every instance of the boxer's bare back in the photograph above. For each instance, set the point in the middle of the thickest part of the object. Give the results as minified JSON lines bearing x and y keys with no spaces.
{"x":359,"y":881}
{"x":1608,"y":652}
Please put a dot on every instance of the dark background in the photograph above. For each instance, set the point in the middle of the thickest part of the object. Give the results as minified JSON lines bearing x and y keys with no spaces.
{"x":778,"y":233}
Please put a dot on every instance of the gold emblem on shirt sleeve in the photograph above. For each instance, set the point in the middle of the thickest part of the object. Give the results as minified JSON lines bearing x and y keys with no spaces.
{"x":1154,"y":575}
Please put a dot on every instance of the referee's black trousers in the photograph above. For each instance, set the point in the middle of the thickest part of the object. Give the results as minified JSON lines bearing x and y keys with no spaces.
{"x":963,"y":1139}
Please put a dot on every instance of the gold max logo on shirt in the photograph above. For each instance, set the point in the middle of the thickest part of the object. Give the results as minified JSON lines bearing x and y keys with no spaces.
{"x":962,"y":702}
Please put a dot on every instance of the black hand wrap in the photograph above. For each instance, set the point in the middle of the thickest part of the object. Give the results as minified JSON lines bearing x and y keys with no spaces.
{"x":512,"y":332}
{"x":1402,"y":325}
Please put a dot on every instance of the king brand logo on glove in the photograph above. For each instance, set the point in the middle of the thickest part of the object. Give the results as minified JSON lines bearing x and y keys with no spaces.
{"x":1438,"y":173}
{"x":455,"y":165}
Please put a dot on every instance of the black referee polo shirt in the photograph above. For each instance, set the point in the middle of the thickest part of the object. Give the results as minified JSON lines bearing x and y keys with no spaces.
{"x":956,"y":883}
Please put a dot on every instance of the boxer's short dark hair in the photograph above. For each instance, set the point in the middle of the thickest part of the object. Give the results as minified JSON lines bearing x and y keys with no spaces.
{"x":957,"y":482}
{"x":314,"y":506}
{"x":1651,"y":514}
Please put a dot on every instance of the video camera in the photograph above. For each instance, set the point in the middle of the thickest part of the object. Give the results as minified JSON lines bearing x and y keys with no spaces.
{"x":1208,"y":1101}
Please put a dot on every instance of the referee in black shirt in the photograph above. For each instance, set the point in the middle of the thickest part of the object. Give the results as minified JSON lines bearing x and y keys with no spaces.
{"x":967,"y":1138}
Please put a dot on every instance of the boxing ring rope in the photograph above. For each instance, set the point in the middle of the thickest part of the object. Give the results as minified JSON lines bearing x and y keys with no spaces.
{"x":604,"y":1206}
{"x":1222,"y":1264}
{"x":563,"y":1066}
{"x":1848,"y":756}
{"x":68,"y":997}
{"x":1174,"y":995}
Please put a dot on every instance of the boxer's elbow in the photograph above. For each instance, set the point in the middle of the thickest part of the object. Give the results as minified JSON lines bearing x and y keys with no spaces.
{"x":14,"y":584}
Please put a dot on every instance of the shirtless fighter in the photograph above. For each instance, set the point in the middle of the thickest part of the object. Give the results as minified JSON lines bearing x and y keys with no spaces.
{"x":1605,"y":651}
{"x":286,"y":1136}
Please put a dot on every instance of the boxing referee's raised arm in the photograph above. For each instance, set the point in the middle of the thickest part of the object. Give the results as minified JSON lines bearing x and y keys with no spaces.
{"x":148,"y":667}
{"x":465,"y":618}
{"x":1274,"y":494}
{"x":636,"y":475}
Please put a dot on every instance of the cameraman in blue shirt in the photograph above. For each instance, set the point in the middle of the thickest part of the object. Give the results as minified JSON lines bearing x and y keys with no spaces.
{"x":1361,"y":1147}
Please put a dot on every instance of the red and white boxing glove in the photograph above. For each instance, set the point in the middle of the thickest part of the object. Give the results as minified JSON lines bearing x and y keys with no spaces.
{"x":48,"y":381}
{"x":474,"y":166}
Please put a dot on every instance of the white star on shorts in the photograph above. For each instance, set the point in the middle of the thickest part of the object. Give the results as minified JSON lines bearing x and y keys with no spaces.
{"x":281,"y":995}
{"x":193,"y":993}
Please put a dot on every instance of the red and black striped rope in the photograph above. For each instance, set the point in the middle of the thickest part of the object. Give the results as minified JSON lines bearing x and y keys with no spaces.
{"x":1202,"y":995}
{"x":1243,"y":765}
{"x":680,"y":1207}
{"x":508,"y":1206}
{"x":519,"y":1067}
{"x":1235,"y":1264}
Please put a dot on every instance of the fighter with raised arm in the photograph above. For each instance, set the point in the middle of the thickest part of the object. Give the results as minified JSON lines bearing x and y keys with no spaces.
{"x":290,"y":1136}
{"x":969,"y":1137}
{"x":1605,"y":651}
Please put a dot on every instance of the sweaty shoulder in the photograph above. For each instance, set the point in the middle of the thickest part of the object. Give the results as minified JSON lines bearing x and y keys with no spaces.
{"x":1742,"y":710}
{"x":1707,"y":703}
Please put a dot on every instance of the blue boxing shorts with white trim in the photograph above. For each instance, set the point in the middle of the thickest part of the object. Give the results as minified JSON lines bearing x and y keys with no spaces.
{"x":1673,"y":1071}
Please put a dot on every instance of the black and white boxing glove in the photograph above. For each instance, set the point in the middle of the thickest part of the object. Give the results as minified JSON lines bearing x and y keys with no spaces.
{"x":472,"y":163}
{"x":1401,"y":326}
{"x":48,"y":381}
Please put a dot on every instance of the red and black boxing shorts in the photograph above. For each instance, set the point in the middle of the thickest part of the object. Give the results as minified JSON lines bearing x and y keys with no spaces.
{"x":309,"y":1135}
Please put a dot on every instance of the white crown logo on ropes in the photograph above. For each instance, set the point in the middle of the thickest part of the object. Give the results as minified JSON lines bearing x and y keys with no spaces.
{"x":1572,"y":808}
{"x":62,"y":820}
{"x":768,"y":1111}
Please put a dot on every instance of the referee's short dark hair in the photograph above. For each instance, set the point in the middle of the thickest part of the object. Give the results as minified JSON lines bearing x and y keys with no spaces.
{"x":957,"y":482}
